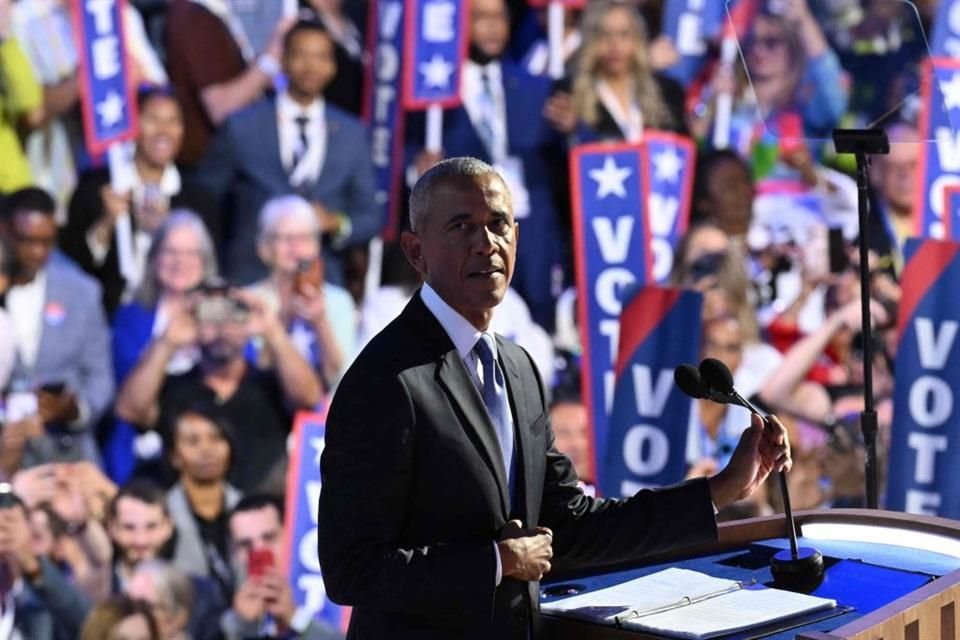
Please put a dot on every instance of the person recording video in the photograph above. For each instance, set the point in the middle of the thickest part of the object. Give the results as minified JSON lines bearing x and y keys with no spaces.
{"x":221,"y":321}
{"x":62,"y":372}
{"x":320,"y":317}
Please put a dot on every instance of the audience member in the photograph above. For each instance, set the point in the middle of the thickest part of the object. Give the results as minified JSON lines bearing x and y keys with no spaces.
{"x":8,"y":346}
{"x":296,"y":142}
{"x":61,"y":333}
{"x":346,"y":88}
{"x":43,"y":604}
{"x":157,"y":187}
{"x":501,"y":123}
{"x":214,"y":69}
{"x":263,"y":603}
{"x":894,"y":196}
{"x":142,"y":531}
{"x":202,"y":497}
{"x":320,"y":316}
{"x":55,"y":147}
{"x":258,"y":402}
{"x":723,"y":192}
{"x":139,"y":526}
{"x":67,"y":504}
{"x":21,"y":102}
{"x":181,"y":257}
{"x":169,"y":593}
{"x":571,"y":430}
{"x":121,"y":618}
{"x":616,"y":94}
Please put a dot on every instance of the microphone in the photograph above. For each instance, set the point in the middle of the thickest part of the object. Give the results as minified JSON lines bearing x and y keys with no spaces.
{"x":691,"y":382}
{"x":800,"y":567}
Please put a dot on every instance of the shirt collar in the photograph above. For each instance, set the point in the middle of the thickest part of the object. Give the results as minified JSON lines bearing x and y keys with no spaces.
{"x":492,"y":69}
{"x":463,"y":334}
{"x":289,"y":109}
{"x":170,"y":181}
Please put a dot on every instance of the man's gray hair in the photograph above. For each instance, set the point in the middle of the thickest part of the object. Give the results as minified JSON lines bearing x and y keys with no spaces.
{"x":281,"y":208}
{"x":449,"y":168}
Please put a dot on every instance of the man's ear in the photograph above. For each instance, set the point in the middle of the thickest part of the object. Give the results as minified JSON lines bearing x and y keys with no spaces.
{"x":413,"y":250}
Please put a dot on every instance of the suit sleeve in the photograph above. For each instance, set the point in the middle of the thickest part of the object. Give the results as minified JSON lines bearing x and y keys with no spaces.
{"x":368,"y":477}
{"x":594,"y":531}
{"x":96,"y":370}
{"x":67,"y":605}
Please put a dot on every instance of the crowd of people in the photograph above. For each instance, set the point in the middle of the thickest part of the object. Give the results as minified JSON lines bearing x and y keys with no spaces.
{"x":157,"y":336}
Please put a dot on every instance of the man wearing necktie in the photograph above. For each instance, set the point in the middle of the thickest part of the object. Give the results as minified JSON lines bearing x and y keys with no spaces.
{"x":295,"y":142}
{"x":444,"y":500}
{"x":501,"y":123}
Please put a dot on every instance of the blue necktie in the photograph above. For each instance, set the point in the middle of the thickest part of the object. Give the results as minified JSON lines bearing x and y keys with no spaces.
{"x":495,"y":399}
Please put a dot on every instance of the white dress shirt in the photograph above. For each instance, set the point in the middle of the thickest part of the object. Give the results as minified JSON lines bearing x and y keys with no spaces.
{"x":25,"y":306}
{"x":310,"y":166}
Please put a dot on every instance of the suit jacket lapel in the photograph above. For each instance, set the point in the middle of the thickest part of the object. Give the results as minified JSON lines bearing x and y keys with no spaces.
{"x":52,"y":293}
{"x":466,"y":399}
{"x":522,"y":418}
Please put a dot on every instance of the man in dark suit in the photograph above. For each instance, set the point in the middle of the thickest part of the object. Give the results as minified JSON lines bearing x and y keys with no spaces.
{"x":295,"y":142}
{"x":444,"y":501}
{"x":501,"y":122}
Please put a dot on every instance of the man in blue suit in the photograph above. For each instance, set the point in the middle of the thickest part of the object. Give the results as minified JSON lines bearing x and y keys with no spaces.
{"x":61,"y":335}
{"x":295,"y":142}
{"x":501,"y":122}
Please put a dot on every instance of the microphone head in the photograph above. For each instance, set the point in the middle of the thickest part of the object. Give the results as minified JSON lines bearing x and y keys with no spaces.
{"x":716,"y":375}
{"x":688,"y":379}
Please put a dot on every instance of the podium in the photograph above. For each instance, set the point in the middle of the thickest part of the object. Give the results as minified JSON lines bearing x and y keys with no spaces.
{"x":905,"y":583}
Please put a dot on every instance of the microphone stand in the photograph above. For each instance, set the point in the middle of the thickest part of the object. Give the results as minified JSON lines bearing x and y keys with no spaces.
{"x":861,"y":142}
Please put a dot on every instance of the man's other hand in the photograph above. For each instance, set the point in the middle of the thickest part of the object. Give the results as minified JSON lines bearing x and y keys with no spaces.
{"x":525,"y":553}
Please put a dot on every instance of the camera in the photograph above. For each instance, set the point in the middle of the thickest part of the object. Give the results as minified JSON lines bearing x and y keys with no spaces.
{"x":217,"y":306}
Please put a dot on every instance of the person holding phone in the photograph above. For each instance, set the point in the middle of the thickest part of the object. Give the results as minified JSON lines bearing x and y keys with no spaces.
{"x":321,"y":317}
{"x":62,"y":340}
{"x":263,"y":603}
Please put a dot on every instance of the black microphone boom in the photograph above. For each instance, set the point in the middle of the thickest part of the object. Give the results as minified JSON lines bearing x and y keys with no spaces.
{"x":801,"y":567}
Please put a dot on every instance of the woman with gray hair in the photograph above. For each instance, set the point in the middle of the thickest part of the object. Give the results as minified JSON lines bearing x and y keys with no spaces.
{"x":181,"y":257}
{"x":170,"y":594}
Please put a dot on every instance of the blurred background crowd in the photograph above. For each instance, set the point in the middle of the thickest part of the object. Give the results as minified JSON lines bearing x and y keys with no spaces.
{"x":149,"y":397}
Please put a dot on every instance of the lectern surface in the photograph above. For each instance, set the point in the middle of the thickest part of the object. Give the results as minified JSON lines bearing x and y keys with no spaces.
{"x":892,"y":570}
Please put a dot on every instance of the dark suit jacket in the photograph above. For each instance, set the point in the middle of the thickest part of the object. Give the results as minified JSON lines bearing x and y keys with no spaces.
{"x":51,"y":610}
{"x":414,"y":494}
{"x":86,"y":208}
{"x":607,"y":129}
{"x":244,"y":163}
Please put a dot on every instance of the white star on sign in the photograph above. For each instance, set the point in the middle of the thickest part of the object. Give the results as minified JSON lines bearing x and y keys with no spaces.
{"x":110,"y":110}
{"x":610,"y":179}
{"x":951,"y":91}
{"x":303,"y":340}
{"x":436,"y":72}
{"x":317,"y":444}
{"x":666,"y":165}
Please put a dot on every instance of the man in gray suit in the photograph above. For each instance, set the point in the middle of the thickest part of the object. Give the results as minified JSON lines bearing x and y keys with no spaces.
{"x":62,"y":340}
{"x":295,"y":142}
